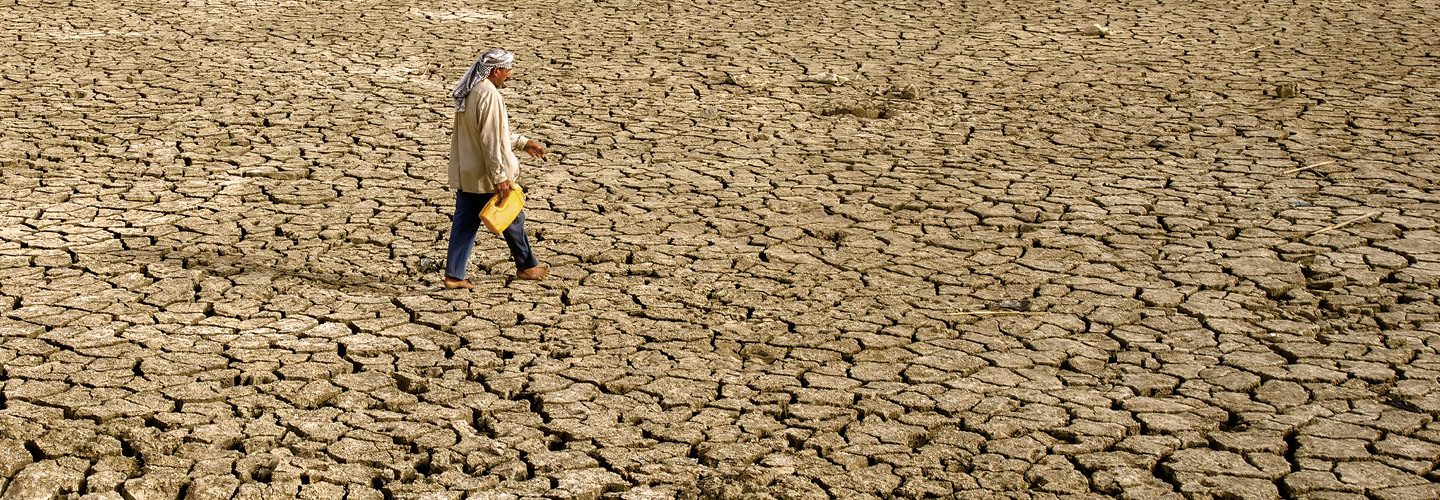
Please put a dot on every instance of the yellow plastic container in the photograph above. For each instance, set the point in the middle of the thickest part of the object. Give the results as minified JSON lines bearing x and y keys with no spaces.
{"x":497,"y":217}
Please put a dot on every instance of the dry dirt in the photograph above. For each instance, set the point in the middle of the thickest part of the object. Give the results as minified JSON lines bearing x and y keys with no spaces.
{"x":801,"y":249}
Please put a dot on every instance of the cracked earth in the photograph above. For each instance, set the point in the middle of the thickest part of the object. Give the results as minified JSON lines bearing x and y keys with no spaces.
{"x":1154,"y":249}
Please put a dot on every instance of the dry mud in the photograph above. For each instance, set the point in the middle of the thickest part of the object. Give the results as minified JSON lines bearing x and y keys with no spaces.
{"x":214,"y":216}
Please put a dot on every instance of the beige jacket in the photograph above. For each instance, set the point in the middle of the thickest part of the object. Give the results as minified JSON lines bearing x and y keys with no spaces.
{"x":481,"y":146}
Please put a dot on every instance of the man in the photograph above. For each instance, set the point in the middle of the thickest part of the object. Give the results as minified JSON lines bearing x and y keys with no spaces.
{"x":482,"y":165}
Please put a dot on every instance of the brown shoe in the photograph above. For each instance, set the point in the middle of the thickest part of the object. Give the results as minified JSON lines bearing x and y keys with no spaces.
{"x":454,"y":283}
{"x":534,"y":273}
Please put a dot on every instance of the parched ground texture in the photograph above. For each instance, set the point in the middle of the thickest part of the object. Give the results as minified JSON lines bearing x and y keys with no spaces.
{"x":769,"y":283}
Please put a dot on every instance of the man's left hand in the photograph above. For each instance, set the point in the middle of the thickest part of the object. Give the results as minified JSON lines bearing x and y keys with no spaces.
{"x":535,"y":150}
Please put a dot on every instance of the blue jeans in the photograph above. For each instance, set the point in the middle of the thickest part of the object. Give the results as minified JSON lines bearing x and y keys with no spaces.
{"x":462,"y":235}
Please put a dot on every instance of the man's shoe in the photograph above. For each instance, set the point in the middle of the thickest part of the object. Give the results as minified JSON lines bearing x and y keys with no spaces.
{"x":534,"y":273}
{"x":454,"y":283}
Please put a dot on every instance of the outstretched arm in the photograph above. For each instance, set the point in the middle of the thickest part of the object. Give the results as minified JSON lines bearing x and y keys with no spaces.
{"x":533,"y":148}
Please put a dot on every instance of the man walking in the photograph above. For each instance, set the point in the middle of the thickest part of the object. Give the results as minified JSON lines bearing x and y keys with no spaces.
{"x":482,"y":165}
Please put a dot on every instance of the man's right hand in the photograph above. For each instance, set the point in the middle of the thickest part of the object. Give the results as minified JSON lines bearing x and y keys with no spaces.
{"x":503,"y":190}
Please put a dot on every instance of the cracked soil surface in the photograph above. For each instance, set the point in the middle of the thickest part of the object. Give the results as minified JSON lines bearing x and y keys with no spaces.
{"x":802,"y":250}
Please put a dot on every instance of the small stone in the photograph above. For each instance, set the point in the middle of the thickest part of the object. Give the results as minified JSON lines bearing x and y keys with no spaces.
{"x":867,"y":112}
{"x":910,"y":91}
{"x":748,"y":81}
{"x":1094,"y":30}
{"x":826,"y":78}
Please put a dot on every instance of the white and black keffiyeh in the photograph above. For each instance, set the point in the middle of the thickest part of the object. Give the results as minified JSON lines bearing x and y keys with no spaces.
{"x":491,"y":59}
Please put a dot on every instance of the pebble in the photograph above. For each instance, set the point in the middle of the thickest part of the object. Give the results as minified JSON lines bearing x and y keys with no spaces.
{"x":1094,"y":30}
{"x":910,"y":91}
{"x":749,"y":81}
{"x":827,"y":78}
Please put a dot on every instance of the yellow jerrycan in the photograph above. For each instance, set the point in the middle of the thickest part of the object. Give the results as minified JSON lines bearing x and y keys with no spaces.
{"x":498,"y":216}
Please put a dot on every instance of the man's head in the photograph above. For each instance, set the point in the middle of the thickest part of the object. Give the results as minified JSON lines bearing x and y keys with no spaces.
{"x":486,"y":67}
{"x":498,"y":62}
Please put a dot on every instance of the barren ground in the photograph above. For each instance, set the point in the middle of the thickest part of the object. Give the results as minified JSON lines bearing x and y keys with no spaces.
{"x":765,"y":285}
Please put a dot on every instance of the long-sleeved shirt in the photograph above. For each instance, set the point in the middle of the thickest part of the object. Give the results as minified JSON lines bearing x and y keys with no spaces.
{"x":481,"y":146}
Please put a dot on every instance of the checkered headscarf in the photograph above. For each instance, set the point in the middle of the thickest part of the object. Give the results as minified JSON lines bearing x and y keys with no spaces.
{"x":491,"y":59}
